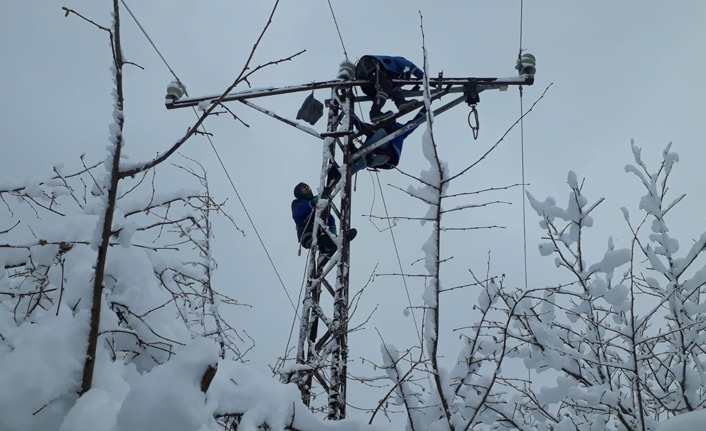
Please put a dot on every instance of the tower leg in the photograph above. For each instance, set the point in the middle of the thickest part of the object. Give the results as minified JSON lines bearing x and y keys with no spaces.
{"x":323,"y":357}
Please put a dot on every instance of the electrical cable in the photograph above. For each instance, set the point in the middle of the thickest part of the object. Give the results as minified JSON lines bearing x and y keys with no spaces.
{"x":338,"y":29}
{"x":522,"y":146}
{"x":219,"y":160}
{"x":345,"y":53}
{"x":522,"y":154}
{"x":152,"y":43}
{"x":524,"y":205}
{"x":399,"y":261}
{"x":252,"y":223}
{"x":522,"y":13}
{"x":296,"y":315}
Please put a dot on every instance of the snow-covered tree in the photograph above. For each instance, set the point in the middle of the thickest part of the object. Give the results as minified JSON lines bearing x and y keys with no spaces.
{"x":109,"y":318}
{"x":622,"y":336}
{"x":618,"y":343}
{"x":475,"y":391}
{"x":625,"y":332}
{"x":97,"y":265}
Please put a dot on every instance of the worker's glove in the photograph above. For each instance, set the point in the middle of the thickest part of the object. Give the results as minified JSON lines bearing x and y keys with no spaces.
{"x":334,"y":231}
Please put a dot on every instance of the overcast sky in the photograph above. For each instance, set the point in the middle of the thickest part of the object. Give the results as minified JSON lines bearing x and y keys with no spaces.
{"x":620,"y":70}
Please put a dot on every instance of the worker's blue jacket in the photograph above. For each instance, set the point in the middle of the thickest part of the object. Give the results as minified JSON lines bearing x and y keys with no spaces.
{"x":399,"y":66}
{"x":303,"y":211}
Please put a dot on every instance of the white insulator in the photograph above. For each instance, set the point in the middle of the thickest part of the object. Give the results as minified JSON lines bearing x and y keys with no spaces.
{"x":346,"y":70}
{"x":175,"y":90}
{"x":526,"y":64}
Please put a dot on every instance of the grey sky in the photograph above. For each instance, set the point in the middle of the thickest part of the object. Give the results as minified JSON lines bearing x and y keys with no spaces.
{"x":620,"y":70}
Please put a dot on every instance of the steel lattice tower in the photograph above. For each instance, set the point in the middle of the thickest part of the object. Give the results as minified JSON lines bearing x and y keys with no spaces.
{"x":322,"y":353}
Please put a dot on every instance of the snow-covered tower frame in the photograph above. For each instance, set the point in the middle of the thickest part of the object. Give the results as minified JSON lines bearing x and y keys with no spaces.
{"x":323,"y":357}
{"x":322,"y":353}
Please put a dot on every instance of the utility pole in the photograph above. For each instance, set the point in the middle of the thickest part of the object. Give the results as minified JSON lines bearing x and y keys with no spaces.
{"x":322,"y":355}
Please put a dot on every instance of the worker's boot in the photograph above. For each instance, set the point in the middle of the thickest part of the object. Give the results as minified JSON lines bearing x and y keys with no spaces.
{"x":400,"y":101}
{"x":376,"y":113}
{"x":352,"y":233}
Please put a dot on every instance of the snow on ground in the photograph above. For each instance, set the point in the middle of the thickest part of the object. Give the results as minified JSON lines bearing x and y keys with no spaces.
{"x":692,"y":421}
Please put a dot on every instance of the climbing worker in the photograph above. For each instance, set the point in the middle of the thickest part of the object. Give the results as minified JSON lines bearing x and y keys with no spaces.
{"x":386,"y":156}
{"x":380,"y":70}
{"x":303,"y":212}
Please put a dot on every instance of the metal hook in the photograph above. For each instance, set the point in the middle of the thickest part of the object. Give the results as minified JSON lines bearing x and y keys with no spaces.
{"x":475,"y":128}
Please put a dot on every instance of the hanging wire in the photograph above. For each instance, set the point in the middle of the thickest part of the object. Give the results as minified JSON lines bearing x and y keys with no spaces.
{"x":281,"y":363}
{"x":522,"y":12}
{"x":338,"y":29}
{"x":522,"y":148}
{"x":274,"y":267}
{"x":152,"y":43}
{"x":252,"y":223}
{"x":399,"y":261}
{"x":524,"y":217}
{"x":345,"y":53}
{"x":522,"y":152}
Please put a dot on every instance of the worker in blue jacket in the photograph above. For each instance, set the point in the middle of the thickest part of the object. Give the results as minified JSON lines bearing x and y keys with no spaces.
{"x":379,"y":71}
{"x":303,"y":212}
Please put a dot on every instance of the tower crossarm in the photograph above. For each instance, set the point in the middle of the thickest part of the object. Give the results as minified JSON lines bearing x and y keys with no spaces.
{"x":484,"y":83}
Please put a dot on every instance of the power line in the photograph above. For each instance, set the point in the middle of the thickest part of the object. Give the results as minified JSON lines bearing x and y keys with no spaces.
{"x":152,"y":43}
{"x":338,"y":29}
{"x":252,"y":223}
{"x":281,"y":363}
{"x":522,"y":154}
{"x":399,"y":262}
{"x":522,"y":12}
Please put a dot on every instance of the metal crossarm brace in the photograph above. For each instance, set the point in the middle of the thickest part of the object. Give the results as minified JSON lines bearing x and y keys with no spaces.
{"x":362,"y":152}
{"x":483,"y":83}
